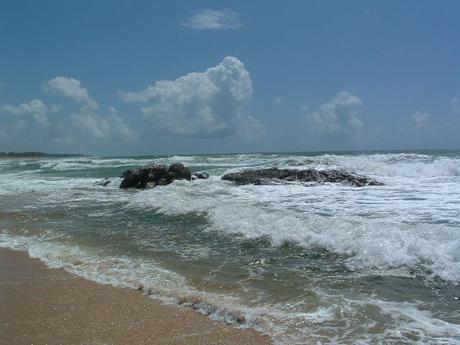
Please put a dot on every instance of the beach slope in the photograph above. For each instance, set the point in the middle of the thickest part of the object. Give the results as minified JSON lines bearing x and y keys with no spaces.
{"x":39,"y":305}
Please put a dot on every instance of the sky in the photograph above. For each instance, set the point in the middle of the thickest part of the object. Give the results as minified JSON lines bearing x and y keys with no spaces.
{"x":141,"y":77}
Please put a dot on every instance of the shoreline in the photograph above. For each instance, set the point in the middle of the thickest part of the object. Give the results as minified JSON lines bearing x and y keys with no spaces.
{"x":42,"y":305}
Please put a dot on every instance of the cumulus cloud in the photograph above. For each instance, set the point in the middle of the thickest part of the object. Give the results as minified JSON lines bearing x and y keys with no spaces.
{"x":56,"y":108}
{"x":102,"y":127}
{"x":455,"y":102}
{"x":87,"y":120}
{"x":35,"y":109}
{"x":208,"y":19}
{"x":338,"y":115}
{"x":199,"y":104}
{"x":421,"y":120}
{"x":72,"y":89}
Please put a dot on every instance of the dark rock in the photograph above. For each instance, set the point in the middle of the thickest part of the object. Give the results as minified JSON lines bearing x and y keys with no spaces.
{"x":179,"y":171}
{"x":103,"y":183}
{"x":150,"y":177}
{"x":151,"y":184}
{"x":181,"y":300}
{"x":239,"y":318}
{"x":163,"y":182}
{"x":203,"y":175}
{"x":273,"y":175}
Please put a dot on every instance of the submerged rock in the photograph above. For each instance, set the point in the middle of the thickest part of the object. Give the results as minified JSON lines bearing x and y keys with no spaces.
{"x":150,"y":177}
{"x":103,"y":183}
{"x":203,"y":175}
{"x":271,"y":175}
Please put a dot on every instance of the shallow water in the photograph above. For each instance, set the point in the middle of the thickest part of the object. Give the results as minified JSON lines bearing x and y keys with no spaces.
{"x":304,"y":263}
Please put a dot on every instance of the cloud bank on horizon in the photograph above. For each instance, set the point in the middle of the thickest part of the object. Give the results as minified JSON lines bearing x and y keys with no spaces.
{"x":209,"y":104}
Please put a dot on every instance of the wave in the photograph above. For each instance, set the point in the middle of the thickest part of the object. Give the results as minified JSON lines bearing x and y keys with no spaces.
{"x":409,"y":229}
{"x":404,"y":322}
{"x":394,"y":165}
{"x":388,"y":165}
{"x":375,"y":238}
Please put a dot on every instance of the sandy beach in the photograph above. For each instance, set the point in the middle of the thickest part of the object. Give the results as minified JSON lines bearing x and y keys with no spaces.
{"x":39,"y":306}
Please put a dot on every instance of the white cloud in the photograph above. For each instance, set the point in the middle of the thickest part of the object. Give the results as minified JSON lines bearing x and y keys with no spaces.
{"x":56,"y":108}
{"x":71,"y":88}
{"x":87,"y":121}
{"x":421,"y":120}
{"x":339,"y":115}
{"x":455,"y":102}
{"x":208,"y":19}
{"x":199,"y":104}
{"x":102,"y":127}
{"x":35,"y":109}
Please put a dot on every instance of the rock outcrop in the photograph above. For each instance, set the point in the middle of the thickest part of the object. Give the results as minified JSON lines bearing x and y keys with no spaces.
{"x":203,"y":175}
{"x":273,"y":175}
{"x":157,"y":175}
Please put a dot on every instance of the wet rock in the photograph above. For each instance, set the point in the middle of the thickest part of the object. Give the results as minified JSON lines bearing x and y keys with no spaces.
{"x":273,"y":175}
{"x":189,"y":301}
{"x":240,"y":319}
{"x":195,"y":301}
{"x":203,"y":175}
{"x":179,"y":171}
{"x":181,"y":300}
{"x":150,"y":177}
{"x":163,"y":182}
{"x":103,"y":183}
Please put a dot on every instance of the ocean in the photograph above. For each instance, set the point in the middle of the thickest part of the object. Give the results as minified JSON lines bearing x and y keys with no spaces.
{"x":304,"y":263}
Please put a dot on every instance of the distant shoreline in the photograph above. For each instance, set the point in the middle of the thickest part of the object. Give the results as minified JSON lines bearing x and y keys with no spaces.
{"x":7,"y":155}
{"x":37,"y":155}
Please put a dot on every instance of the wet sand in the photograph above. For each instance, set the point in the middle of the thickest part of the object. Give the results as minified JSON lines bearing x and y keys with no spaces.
{"x":41,"y":306}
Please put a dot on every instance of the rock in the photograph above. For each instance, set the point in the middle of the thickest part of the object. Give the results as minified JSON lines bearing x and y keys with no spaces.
{"x":195,"y":301}
{"x":150,"y":177}
{"x":240,"y":319}
{"x":182,"y":300}
{"x":190,"y":301}
{"x":179,"y":171}
{"x":203,"y":175}
{"x":103,"y":183}
{"x":149,"y":185}
{"x":162,"y":182}
{"x":273,"y":175}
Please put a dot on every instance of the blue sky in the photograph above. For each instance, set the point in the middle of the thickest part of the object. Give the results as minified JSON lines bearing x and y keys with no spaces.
{"x":144,"y":77}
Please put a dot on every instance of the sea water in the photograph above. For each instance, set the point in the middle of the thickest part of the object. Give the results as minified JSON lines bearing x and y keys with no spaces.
{"x":306,"y":264}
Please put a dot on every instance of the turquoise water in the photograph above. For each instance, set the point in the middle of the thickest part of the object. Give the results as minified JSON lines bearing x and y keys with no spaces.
{"x":304,"y":263}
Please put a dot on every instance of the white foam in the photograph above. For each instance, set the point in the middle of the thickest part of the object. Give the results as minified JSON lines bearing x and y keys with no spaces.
{"x":378,"y":233}
{"x":116,"y":270}
{"x":123,"y":271}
